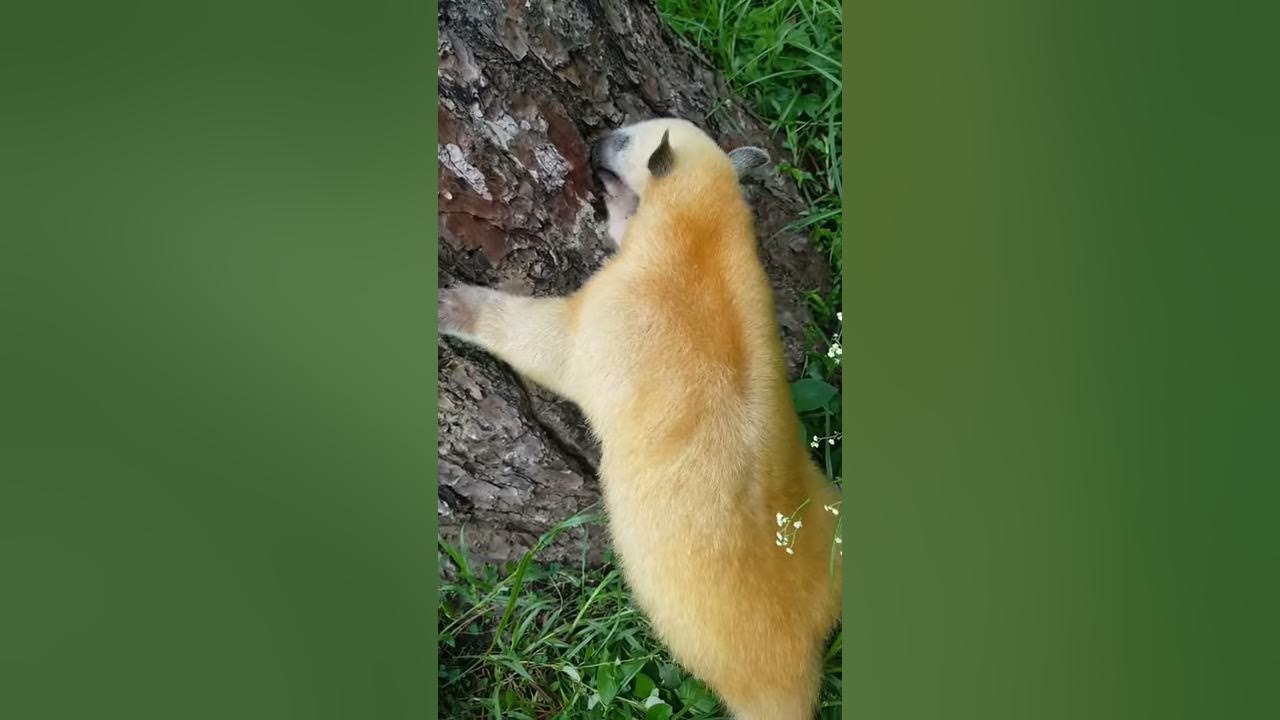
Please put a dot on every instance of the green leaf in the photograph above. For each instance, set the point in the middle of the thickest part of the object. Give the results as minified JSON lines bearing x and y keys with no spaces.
{"x":458,"y":556}
{"x":661,"y":711}
{"x":836,"y":644}
{"x":629,"y":669}
{"x":644,"y":686}
{"x":518,"y":667}
{"x":606,"y":683}
{"x":669,"y":675}
{"x":695,"y":695}
{"x":811,"y":394}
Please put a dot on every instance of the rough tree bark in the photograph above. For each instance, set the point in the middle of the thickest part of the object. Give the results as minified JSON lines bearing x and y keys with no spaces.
{"x":524,"y":88}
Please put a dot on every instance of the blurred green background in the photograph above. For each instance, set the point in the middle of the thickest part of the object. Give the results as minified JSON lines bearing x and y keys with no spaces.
{"x":216,"y":423}
{"x":1060,"y":357}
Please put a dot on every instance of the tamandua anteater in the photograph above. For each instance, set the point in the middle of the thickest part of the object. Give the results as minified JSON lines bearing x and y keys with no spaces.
{"x":672,"y":352}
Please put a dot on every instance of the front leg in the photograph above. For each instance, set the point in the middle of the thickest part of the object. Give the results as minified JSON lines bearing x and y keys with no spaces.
{"x":533,"y":335}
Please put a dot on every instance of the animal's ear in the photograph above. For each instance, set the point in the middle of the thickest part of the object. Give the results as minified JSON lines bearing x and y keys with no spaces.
{"x":662,"y":159}
{"x":746,"y":159}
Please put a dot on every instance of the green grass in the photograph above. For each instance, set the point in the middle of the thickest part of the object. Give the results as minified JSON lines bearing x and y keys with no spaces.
{"x":535,"y":641}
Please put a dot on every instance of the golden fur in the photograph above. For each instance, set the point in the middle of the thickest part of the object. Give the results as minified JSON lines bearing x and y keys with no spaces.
{"x":672,"y":352}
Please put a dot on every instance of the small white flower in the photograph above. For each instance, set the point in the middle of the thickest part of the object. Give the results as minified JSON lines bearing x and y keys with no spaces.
{"x":839,"y":541}
{"x":781,"y":520}
{"x":814,"y":444}
{"x":840,"y":316}
{"x":797,"y":524}
{"x":835,"y":511}
{"x":790,"y":551}
{"x":778,"y":543}
{"x":831,"y":441}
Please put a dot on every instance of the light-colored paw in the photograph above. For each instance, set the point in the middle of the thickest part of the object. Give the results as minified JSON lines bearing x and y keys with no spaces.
{"x":459,"y":309}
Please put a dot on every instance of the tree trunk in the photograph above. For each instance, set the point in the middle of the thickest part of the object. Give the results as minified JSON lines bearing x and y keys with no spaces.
{"x":524,"y":89}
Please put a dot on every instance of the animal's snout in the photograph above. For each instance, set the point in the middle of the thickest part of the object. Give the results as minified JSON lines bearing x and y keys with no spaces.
{"x":608,"y":146}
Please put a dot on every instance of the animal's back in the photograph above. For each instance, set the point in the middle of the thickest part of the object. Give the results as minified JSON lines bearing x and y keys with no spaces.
{"x":707,"y":454}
